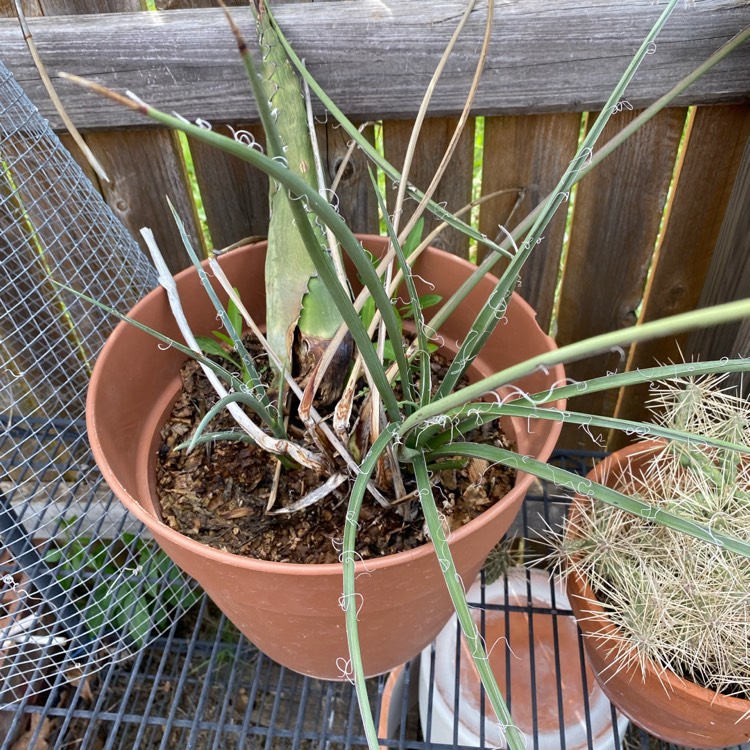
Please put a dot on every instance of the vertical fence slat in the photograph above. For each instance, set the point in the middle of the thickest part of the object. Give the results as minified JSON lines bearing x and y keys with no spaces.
{"x":357,"y":203}
{"x":175,"y":4}
{"x":79,"y":7}
{"x":455,"y":187}
{"x":145,"y":166}
{"x":30,"y":8}
{"x":528,"y":152}
{"x":234,"y":194}
{"x":67,"y":140}
{"x":729,"y":273}
{"x":615,"y":224}
{"x":710,"y":165}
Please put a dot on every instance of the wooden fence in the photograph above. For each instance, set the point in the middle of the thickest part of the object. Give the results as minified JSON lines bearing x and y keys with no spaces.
{"x":663,"y":226}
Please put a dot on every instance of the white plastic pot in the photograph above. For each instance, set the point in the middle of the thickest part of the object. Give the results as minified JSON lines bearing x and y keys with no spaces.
{"x":542,"y":659}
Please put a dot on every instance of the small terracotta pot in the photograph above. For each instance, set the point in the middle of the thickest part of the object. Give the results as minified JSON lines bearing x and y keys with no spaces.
{"x":394,"y":706}
{"x":291,"y":611}
{"x":554,"y":703}
{"x":669,"y":707}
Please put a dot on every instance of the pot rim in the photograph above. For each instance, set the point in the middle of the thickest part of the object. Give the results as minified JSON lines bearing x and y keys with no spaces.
{"x":523,"y":480}
{"x":600,"y":628}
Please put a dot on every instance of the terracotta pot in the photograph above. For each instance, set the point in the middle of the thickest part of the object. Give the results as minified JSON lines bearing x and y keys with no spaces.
{"x":669,"y":707}
{"x":395,"y":707}
{"x":291,"y":611}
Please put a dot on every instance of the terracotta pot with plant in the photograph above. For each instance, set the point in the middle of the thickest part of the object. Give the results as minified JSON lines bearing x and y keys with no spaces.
{"x":665,"y":614}
{"x":360,"y":390}
{"x":290,"y":609}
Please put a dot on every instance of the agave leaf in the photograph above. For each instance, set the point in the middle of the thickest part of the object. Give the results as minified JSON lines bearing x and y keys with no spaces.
{"x":295,"y":296}
{"x":349,"y":601}
{"x":288,"y":265}
{"x":401,"y":253}
{"x":372,"y":153}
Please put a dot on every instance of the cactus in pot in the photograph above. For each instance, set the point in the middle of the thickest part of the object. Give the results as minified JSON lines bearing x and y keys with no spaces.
{"x":662,"y":610}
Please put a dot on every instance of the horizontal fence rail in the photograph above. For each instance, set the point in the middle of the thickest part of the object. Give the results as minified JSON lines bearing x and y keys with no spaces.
{"x":375,"y":57}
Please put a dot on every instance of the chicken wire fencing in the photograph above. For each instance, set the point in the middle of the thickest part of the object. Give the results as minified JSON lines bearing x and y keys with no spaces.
{"x":81,"y":584}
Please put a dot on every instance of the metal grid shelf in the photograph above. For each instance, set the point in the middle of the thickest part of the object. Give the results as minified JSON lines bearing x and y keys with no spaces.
{"x":201,"y":685}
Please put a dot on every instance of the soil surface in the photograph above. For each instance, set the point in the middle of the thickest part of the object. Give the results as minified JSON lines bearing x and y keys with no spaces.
{"x":218,"y":493}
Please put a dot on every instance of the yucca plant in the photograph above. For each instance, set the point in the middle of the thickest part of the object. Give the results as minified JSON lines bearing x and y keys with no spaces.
{"x":315,"y":325}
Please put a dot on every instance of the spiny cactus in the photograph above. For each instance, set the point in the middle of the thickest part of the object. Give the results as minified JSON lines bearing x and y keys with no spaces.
{"x":678,"y":601}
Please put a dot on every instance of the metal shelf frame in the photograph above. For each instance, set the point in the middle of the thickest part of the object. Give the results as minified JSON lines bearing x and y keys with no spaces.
{"x":201,"y":685}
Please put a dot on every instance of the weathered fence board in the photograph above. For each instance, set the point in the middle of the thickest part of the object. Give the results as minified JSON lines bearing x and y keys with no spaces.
{"x":144,"y":165}
{"x":77,"y":154}
{"x":615,"y":225}
{"x":531,"y":153}
{"x":357,"y":203}
{"x":454,"y":190}
{"x":709,"y":168}
{"x":80,"y":7}
{"x":184,"y":4}
{"x":729,"y":273}
{"x":376,"y":58}
{"x":235,"y":196}
{"x":384,"y":54}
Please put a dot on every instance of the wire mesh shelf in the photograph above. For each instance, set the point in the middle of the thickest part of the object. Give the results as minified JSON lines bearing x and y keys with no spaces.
{"x":200,"y":684}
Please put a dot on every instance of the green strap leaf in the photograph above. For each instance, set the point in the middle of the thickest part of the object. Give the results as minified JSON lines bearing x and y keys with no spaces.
{"x":583,"y":486}
{"x":455,"y":586}
{"x":233,"y":381}
{"x":350,"y":601}
{"x":294,"y":296}
{"x":596,"y":344}
{"x":640,"y":377}
{"x":398,"y":351}
{"x":494,"y":308}
{"x":471,"y":416}
{"x":219,"y":406}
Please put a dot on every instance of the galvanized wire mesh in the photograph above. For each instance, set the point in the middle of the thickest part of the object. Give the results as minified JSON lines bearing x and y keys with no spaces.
{"x":80,"y":583}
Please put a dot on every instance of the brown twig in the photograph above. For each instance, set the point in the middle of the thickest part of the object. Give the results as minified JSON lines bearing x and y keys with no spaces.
{"x":71,"y":128}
